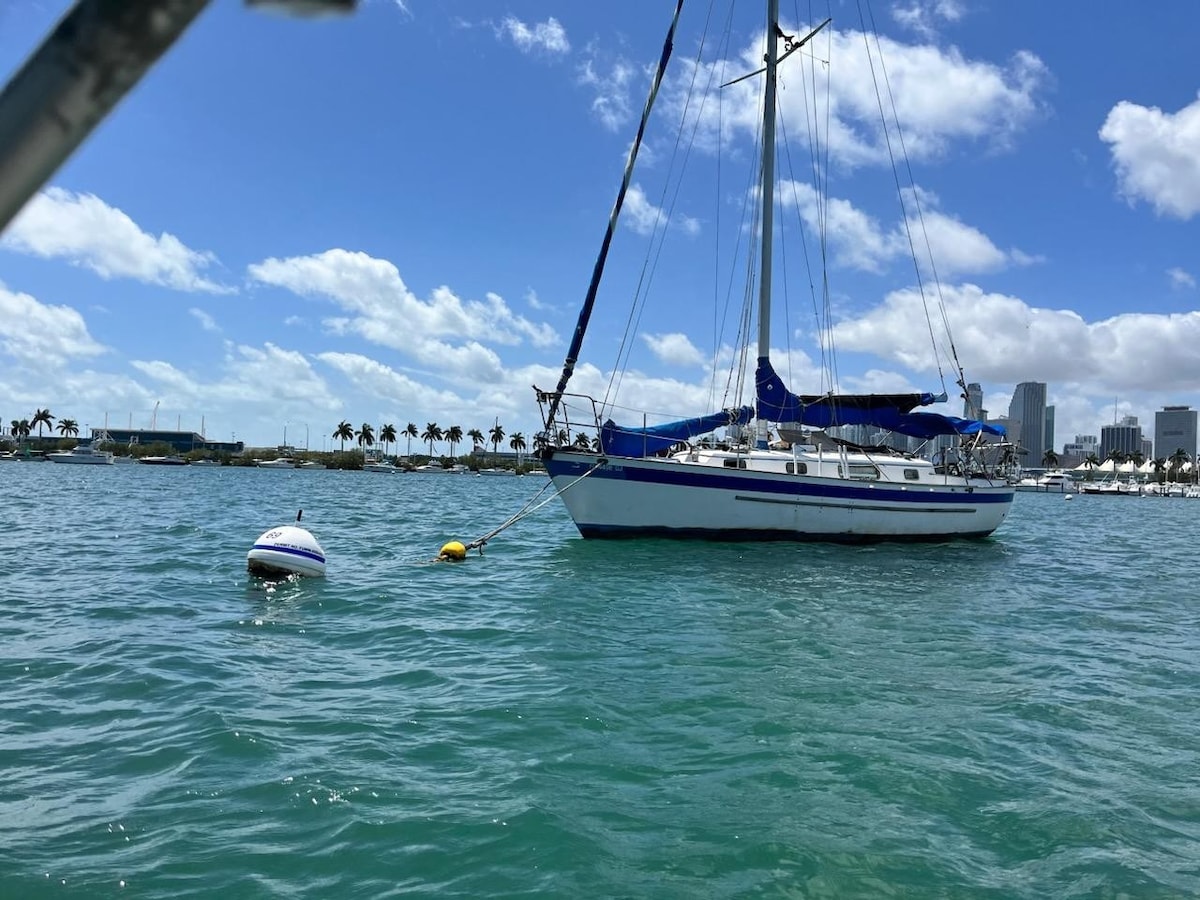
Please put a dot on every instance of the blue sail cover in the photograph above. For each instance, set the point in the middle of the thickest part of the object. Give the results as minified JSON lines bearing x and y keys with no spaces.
{"x":928,"y":425}
{"x":638,"y":442}
{"x":892,"y":412}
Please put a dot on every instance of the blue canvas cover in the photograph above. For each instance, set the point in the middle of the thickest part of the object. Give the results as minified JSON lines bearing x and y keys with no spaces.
{"x":892,"y":412}
{"x":618,"y":440}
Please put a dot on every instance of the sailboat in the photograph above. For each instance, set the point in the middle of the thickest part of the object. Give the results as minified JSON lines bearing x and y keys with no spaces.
{"x":679,"y":479}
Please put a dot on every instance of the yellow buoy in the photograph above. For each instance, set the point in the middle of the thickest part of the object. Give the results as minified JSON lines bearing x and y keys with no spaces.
{"x":454,"y":551}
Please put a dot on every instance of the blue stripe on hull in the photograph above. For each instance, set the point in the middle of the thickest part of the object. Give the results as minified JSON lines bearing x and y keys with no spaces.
{"x":677,"y":475}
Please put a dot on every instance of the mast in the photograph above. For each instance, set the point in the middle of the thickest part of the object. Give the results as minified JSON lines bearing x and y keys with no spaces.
{"x":768,"y":201}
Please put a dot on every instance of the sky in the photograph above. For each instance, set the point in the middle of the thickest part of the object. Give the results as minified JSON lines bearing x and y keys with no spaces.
{"x":392,"y":216}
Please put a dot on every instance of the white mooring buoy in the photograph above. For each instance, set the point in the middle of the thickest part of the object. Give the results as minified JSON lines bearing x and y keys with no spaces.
{"x":286,"y":550}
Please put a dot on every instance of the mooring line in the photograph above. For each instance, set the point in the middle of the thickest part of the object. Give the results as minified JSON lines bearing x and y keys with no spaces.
{"x":528,"y":509}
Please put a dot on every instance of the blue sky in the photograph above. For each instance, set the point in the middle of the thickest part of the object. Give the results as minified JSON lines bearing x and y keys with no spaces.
{"x":392,"y":216}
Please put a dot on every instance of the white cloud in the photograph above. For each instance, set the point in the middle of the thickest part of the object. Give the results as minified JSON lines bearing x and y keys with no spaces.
{"x":1157,"y":156}
{"x":384,"y":311}
{"x":941,"y":97}
{"x":1180,"y":278}
{"x":859,"y":241}
{"x":87,"y":232}
{"x":547,"y":37}
{"x":923,"y":16}
{"x":643,"y":216}
{"x":1002,"y":339}
{"x":674,"y":349}
{"x":271,"y":382}
{"x":386,"y":384}
{"x":207,"y":322}
{"x":41,"y":335}
{"x":535,"y":303}
{"x":611,"y":103}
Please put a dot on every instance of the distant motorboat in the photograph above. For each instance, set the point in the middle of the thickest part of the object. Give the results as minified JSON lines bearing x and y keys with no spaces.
{"x":1055,"y":482}
{"x":312,"y":464}
{"x":206,"y":463}
{"x":163,"y":461}
{"x":84,"y":454}
{"x":384,"y":468}
{"x":9,"y":456}
{"x":280,"y":462}
{"x":1111,"y":488}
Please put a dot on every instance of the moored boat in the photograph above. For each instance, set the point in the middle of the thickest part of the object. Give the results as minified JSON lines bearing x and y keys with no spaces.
{"x":668,"y":479}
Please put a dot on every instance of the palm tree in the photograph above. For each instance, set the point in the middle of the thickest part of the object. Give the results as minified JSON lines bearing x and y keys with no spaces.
{"x":564,"y":438}
{"x":430,"y":434}
{"x":453,"y":436}
{"x":345,"y":432}
{"x":1160,"y":470}
{"x":366,"y":435}
{"x":410,"y":432}
{"x":517,"y":442}
{"x":476,"y":437}
{"x":387,"y":435}
{"x":41,"y":417}
{"x":1178,"y":458}
{"x":496,"y":433}
{"x":21,"y":428}
{"x":582,"y":442}
{"x":1137,"y":458}
{"x":68,"y":427}
{"x":1050,"y":459}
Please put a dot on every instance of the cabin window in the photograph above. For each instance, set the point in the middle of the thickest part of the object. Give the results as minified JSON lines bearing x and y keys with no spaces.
{"x":797,"y":468}
{"x":862,"y":472}
{"x":912,"y":475}
{"x":735,"y":464}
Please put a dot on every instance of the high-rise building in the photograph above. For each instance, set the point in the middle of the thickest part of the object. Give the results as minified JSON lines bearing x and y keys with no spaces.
{"x":1028,"y":406}
{"x":1175,"y":429}
{"x":1077,"y":452}
{"x":1125,"y":436}
{"x":1048,"y":438}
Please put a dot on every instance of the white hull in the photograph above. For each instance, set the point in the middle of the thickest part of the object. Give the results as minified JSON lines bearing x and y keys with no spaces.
{"x":81,"y":459}
{"x":381,"y":468}
{"x":625,"y":497}
{"x":281,"y":463}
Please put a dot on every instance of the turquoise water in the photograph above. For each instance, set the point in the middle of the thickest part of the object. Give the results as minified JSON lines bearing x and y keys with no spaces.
{"x":1009,"y":718}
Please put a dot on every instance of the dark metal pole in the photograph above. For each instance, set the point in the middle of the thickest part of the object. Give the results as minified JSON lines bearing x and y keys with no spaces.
{"x":99,"y":50}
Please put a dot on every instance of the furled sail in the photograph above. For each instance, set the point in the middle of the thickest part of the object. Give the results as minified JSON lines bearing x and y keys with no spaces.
{"x":618,"y":440}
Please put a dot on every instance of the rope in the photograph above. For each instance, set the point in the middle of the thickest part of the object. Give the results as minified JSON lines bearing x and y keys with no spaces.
{"x":528,"y":509}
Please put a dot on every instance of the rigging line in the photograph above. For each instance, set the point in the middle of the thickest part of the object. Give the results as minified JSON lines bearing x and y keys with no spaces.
{"x":937,"y":282}
{"x":720,"y":311}
{"x":812,"y":288}
{"x":803,"y":232}
{"x":827,"y":305}
{"x":585,"y":313}
{"x":525,"y":510}
{"x":654,"y":252}
{"x":900,"y":192}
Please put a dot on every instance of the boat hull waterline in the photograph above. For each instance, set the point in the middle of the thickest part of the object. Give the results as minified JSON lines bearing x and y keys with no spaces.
{"x":628,"y":497}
